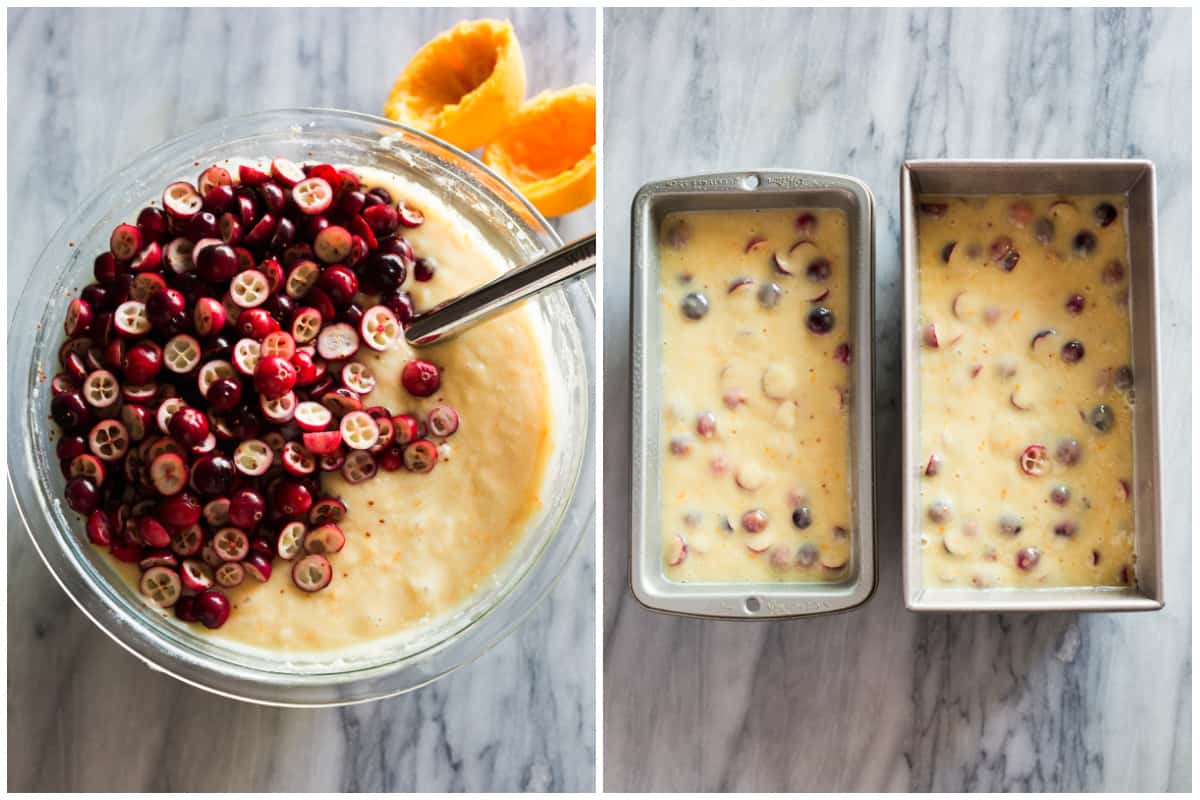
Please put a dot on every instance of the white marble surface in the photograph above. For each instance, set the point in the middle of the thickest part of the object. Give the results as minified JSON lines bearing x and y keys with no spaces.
{"x":878,"y":698}
{"x":88,"y":91}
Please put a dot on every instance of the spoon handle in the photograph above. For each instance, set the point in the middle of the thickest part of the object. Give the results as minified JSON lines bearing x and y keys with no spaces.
{"x":459,"y":313}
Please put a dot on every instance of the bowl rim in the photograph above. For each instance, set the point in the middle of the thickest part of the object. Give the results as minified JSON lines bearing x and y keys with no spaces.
{"x":243,"y":681}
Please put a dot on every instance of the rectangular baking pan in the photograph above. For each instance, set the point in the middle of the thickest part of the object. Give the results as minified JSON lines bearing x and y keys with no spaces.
{"x":750,"y":189}
{"x":1135,"y":180}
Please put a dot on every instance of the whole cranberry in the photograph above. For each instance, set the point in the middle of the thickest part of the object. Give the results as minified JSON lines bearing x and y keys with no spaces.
{"x":96,"y":296}
{"x":212,"y":608}
{"x":203,"y":226}
{"x":274,"y":376}
{"x":217,"y":263}
{"x":424,"y":269}
{"x":400,"y":303}
{"x":398,"y":246}
{"x":185,"y":607}
{"x":246,"y":509}
{"x":350,"y":203}
{"x":180,"y":511}
{"x":224,"y":393}
{"x":383,"y":219}
{"x":70,"y":446}
{"x":273,"y":197}
{"x":70,"y":411}
{"x":382,"y":195}
{"x":188,"y":426}
{"x":285,"y":232}
{"x":152,"y":222}
{"x":217,"y":346}
{"x":1075,"y":304}
{"x":420,"y":378}
{"x":213,"y":474}
{"x":105,"y":268}
{"x":164,"y":305}
{"x":306,"y":368}
{"x":292,"y":498}
{"x":256,"y":323}
{"x":281,"y":307}
{"x":82,"y":495}
{"x":352,"y":315}
{"x":383,"y":272}
{"x":339,"y":283}
{"x":142,"y":363}
{"x":218,"y":198}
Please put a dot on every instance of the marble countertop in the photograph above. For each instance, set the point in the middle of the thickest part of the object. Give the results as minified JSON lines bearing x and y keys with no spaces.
{"x":88,"y":91}
{"x":878,"y":698}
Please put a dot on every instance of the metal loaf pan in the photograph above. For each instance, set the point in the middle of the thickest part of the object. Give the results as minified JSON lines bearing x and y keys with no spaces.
{"x":1135,"y":180}
{"x":749,"y":189}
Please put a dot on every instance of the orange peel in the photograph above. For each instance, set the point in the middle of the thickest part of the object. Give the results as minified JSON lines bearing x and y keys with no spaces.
{"x":549,"y":150}
{"x":464,"y":86}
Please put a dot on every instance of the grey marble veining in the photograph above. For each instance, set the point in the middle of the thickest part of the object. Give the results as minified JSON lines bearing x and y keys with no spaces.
{"x":87,"y":92}
{"x":878,"y":698}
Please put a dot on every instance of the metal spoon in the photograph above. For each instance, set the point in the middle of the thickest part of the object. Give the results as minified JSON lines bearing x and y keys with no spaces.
{"x":459,"y":313}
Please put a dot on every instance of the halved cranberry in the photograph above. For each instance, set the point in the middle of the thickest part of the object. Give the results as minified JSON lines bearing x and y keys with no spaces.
{"x":410,"y":217}
{"x":359,"y":466}
{"x":420,"y":455}
{"x":322,"y":442}
{"x":229,"y":574}
{"x":168,"y":473}
{"x":212,"y":177}
{"x":231,"y":544}
{"x":162,"y":585}
{"x":79,"y":317}
{"x":181,"y":200}
{"x":312,"y":195}
{"x":443,"y":421}
{"x":290,"y":541}
{"x":252,"y":175}
{"x":125,"y":242}
{"x":152,"y":533}
{"x":327,"y":538}
{"x":312,"y":573}
{"x":258,"y":566}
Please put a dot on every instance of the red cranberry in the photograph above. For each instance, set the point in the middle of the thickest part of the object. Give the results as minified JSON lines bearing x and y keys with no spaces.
{"x":185,"y":608}
{"x":142,"y":363}
{"x":274,"y":376}
{"x":339,"y":283}
{"x":383,"y":272}
{"x":70,"y":411}
{"x":1106,"y":214}
{"x":285,"y":232}
{"x":400,"y":303}
{"x":350,"y":203}
{"x":212,"y":608}
{"x":213,"y":475}
{"x":281,"y":307}
{"x":246,"y":509}
{"x":218,"y":198}
{"x":203,"y":226}
{"x":820,"y":320}
{"x":163,"y":306}
{"x":217,"y":263}
{"x":293,"y":498}
{"x":70,"y":446}
{"x":273,"y":197}
{"x":1028,"y":557}
{"x":82,"y":495}
{"x":256,"y":323}
{"x":383,"y":219}
{"x":152,"y":223}
{"x":100,"y":528}
{"x":180,"y":511}
{"x":420,"y":378}
{"x":1075,"y":304}
{"x":224,"y":393}
{"x":96,"y":296}
{"x":188,"y":426}
{"x":423,"y":269}
{"x":1072,"y":351}
{"x":105,"y":268}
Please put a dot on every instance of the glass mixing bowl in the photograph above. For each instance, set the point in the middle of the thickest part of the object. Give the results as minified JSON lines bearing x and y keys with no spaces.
{"x":507,"y":222}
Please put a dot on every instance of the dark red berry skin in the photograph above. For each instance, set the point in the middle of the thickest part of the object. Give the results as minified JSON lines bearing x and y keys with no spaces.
{"x":142,"y":362}
{"x":152,"y":222}
{"x":246,"y":509}
{"x":420,"y":378}
{"x":189,"y":426}
{"x":292,"y":498}
{"x":82,"y":496}
{"x":217,"y":263}
{"x":212,"y":608}
{"x":185,"y":609}
{"x":213,"y":475}
{"x":163,"y":306}
{"x":256,"y":323}
{"x":70,"y":411}
{"x":424,"y":269}
{"x":400,"y":303}
{"x":274,"y":376}
{"x":105,"y":268}
{"x":224,"y":393}
{"x":70,"y":446}
{"x":180,"y":511}
{"x":339,"y":283}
